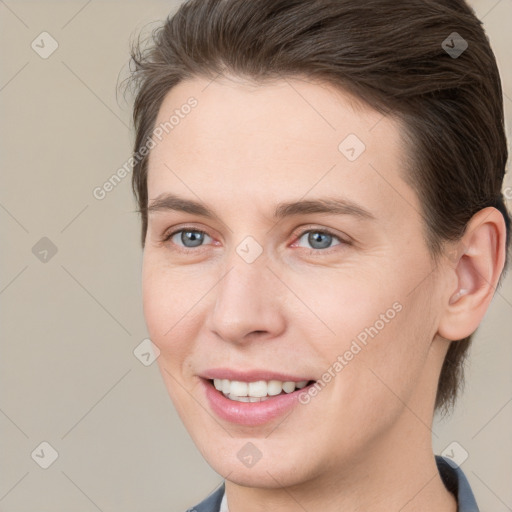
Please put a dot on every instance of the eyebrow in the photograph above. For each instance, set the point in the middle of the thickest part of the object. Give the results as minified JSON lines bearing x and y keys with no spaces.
{"x":335,"y":206}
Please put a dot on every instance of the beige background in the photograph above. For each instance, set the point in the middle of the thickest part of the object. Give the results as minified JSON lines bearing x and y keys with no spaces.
{"x":69,"y":326}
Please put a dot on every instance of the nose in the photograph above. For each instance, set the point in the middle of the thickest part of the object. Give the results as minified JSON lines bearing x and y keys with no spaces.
{"x":248,"y":303}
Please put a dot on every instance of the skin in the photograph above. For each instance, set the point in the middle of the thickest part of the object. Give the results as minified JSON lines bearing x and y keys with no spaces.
{"x":364,"y":442}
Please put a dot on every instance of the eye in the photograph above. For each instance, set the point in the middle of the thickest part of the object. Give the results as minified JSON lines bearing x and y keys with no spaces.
{"x":187,"y":237}
{"x":319,"y":239}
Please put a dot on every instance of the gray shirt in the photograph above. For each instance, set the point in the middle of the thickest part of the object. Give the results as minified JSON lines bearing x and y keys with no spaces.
{"x":451,"y":474}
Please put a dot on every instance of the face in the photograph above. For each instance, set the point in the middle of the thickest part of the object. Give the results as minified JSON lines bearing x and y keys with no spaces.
{"x":303,"y":262}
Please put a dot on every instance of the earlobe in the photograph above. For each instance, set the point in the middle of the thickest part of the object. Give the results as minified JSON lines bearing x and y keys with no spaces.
{"x":476,"y":272}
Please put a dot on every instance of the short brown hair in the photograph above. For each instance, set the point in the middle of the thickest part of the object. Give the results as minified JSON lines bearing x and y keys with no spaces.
{"x":390,"y":55}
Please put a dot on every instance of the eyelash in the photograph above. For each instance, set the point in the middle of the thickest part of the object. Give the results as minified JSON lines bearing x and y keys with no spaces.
{"x":297,"y":236}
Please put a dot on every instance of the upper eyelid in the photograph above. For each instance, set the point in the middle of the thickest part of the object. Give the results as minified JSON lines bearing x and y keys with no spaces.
{"x":171,"y":232}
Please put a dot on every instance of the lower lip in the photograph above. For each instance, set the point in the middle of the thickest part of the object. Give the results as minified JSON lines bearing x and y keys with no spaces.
{"x":250,"y":413}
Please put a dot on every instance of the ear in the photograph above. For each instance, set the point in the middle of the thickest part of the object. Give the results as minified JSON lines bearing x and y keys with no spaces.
{"x":476,"y":270}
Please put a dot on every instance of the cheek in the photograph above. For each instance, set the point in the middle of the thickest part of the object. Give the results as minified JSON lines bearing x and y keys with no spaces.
{"x":381,"y":331}
{"x":156,"y":303}
{"x":173,"y":304}
{"x":164,"y":304}
{"x":164,"y":312}
{"x":392,"y":358}
{"x":349,"y":305}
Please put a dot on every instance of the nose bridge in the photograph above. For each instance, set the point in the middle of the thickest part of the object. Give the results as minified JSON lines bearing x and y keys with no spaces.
{"x":246,"y":299}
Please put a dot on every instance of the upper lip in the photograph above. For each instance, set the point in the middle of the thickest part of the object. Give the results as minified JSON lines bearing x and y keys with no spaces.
{"x":251,"y":375}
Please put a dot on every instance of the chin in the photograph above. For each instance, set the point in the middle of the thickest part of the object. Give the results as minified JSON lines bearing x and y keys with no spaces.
{"x":269,"y":472}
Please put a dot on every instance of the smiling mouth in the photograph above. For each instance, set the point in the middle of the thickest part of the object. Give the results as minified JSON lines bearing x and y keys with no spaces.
{"x":256,"y":391}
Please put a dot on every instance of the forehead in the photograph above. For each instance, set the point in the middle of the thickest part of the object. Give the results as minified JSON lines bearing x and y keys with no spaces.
{"x":286,"y":138}
{"x":258,"y":120}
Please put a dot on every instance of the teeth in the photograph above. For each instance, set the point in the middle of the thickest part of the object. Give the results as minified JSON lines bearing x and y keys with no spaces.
{"x":255,"y":391}
{"x":288,"y":387}
{"x":239,"y":389}
{"x":274,"y":387}
{"x":247,"y":398}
